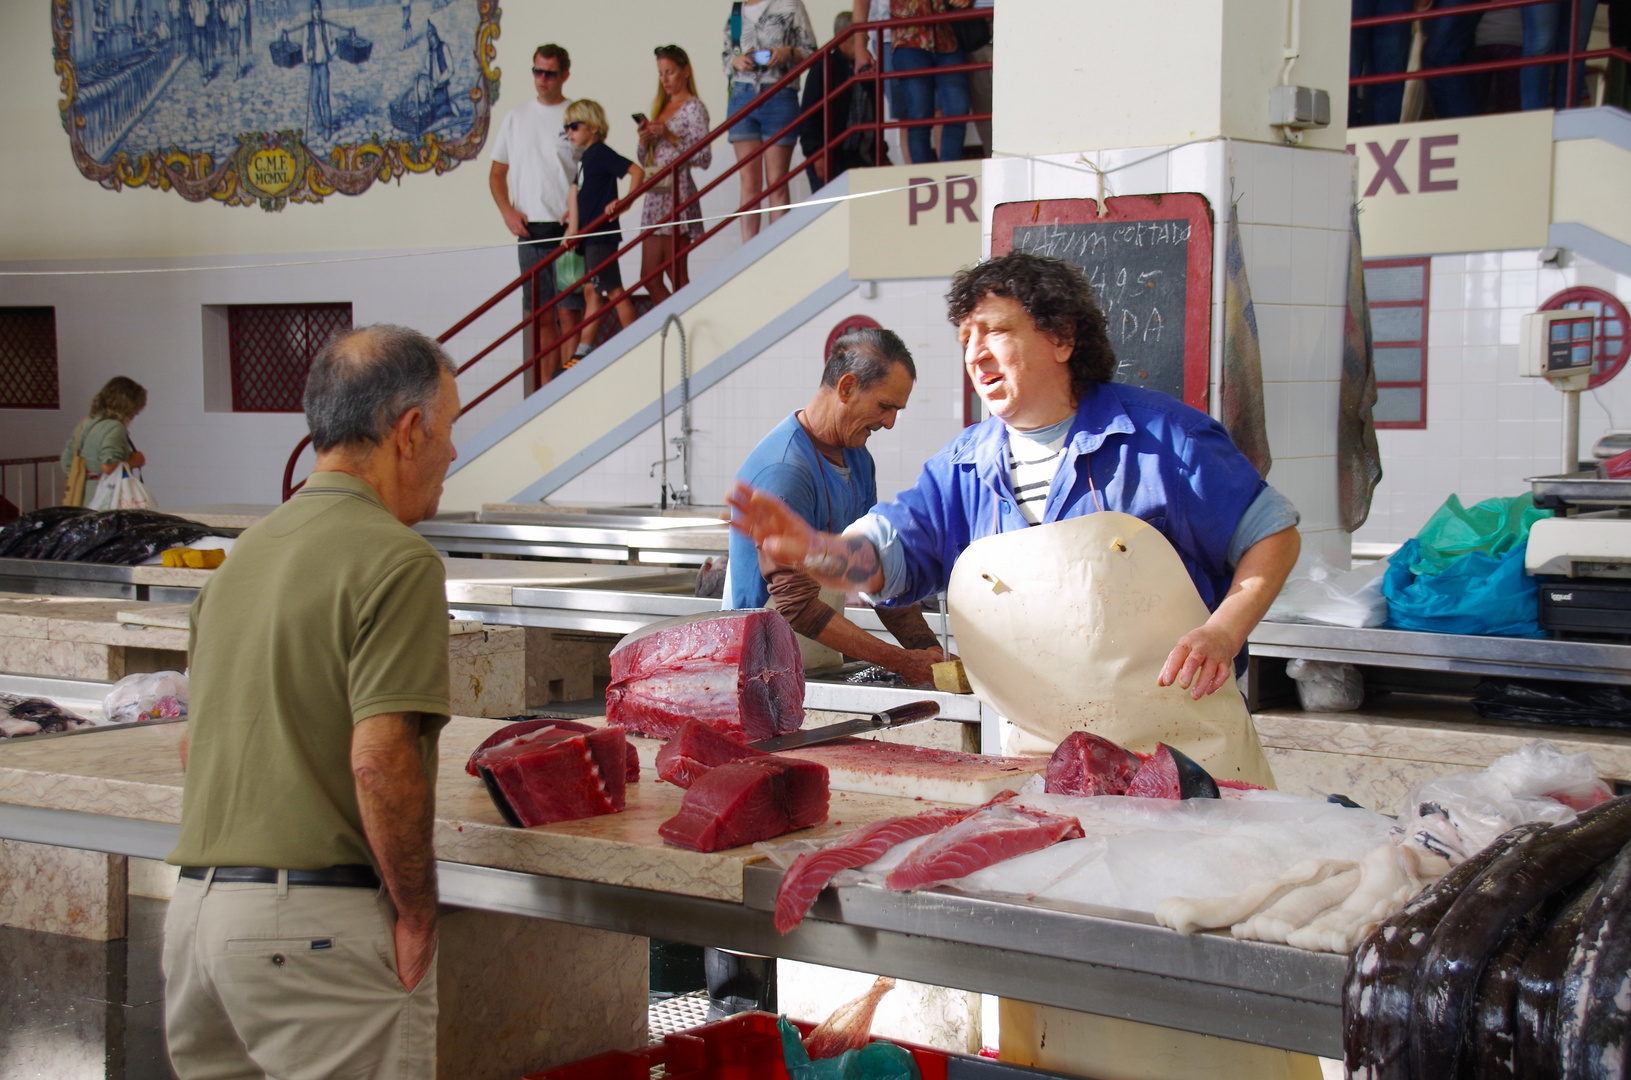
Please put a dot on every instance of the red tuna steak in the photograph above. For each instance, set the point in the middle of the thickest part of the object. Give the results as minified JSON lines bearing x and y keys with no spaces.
{"x":695,"y":749}
{"x":994,"y":834}
{"x":1087,"y":764}
{"x":743,"y":802}
{"x":631,"y":770}
{"x":738,"y":672}
{"x":811,"y":871}
{"x":556,"y":775}
{"x":1170,"y":774}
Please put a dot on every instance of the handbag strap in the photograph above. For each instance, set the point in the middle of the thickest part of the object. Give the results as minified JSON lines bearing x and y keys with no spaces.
{"x":736,"y":26}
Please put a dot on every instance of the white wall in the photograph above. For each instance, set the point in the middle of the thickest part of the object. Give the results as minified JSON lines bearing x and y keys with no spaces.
{"x":731,"y":417}
{"x":1487,"y":427}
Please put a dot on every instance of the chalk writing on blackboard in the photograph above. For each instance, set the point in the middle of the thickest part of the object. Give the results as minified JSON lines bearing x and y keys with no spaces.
{"x":1138,"y":270}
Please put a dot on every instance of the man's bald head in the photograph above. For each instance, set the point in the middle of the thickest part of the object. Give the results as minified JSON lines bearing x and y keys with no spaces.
{"x":365,"y":379}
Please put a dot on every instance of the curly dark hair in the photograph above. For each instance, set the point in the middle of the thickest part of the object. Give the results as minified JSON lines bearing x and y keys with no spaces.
{"x":1057,"y":297}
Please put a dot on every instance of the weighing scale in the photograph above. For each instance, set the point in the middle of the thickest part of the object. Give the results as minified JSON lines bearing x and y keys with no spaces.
{"x":1580,"y":557}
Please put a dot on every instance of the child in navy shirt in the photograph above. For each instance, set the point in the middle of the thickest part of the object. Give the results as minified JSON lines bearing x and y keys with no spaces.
{"x":594,"y":192}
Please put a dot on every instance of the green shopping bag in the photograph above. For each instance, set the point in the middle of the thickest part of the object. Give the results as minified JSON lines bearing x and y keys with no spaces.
{"x":568,"y":269}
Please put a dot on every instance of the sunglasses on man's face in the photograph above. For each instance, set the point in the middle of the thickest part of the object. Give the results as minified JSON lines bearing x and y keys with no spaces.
{"x":546,"y":73}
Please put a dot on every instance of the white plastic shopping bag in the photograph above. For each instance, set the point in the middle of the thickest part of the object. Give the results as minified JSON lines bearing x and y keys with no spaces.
{"x":119,"y":490}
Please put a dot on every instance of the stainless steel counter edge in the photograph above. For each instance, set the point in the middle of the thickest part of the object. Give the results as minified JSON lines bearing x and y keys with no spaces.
{"x":1522,"y":657}
{"x":1285,"y":998}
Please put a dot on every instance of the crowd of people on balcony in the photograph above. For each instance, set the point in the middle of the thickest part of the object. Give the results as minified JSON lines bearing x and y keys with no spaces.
{"x":1479,"y":34}
{"x":553,"y":174}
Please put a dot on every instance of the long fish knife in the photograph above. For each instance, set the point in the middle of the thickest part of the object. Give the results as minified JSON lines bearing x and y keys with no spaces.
{"x":899,"y":716}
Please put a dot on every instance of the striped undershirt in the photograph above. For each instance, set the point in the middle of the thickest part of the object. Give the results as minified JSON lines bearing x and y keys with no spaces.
{"x":1033,"y":458}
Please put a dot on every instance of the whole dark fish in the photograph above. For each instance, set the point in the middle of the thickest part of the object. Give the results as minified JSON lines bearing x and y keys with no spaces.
{"x":23,"y":534}
{"x":1492,"y":1028}
{"x":1376,"y":994}
{"x":79,"y":539}
{"x":141,"y":542}
{"x":1461,"y":944}
{"x":1535,"y":1019}
{"x":1594,"y":1003}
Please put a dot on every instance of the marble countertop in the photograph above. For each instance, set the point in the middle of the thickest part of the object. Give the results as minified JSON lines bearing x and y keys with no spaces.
{"x":223,"y":515}
{"x":1421,"y":727}
{"x":491,"y":581}
{"x":136,"y":773}
{"x":81,"y":618}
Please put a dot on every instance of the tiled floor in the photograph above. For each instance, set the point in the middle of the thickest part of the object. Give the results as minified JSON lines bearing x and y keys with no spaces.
{"x":84,"y":1010}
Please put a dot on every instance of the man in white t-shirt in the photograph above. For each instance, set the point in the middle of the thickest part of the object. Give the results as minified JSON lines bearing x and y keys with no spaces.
{"x":531,"y":177}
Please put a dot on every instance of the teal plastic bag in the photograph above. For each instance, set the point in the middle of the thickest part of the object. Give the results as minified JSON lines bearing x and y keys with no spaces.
{"x":874,"y":1061}
{"x":568,"y":269}
{"x":1464,"y":573}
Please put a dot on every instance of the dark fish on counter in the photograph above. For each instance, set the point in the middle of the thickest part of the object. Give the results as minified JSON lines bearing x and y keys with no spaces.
{"x":1088,"y":764}
{"x":45,"y":717}
{"x":1462,"y":942}
{"x":1172,"y":774}
{"x":140,"y":543}
{"x":13,"y":728}
{"x":739,"y":672}
{"x":744,"y":802}
{"x":1492,"y":1032}
{"x":811,"y":871}
{"x":20,"y":539}
{"x":1594,"y":1008}
{"x":1534,"y":1018}
{"x":697,"y":748}
{"x":990,"y":836}
{"x":509,"y":732}
{"x":1376,"y":994}
{"x":552,"y":775}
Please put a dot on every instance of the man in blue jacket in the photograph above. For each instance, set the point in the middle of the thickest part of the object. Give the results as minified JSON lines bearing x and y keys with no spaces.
{"x":1062,"y":440}
{"x":815,"y":463}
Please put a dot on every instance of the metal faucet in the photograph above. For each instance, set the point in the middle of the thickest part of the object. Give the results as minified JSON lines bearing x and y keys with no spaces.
{"x":680,"y":496}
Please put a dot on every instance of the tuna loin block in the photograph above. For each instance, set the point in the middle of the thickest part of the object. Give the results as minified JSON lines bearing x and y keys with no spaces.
{"x":743,"y":802}
{"x":695,"y":749}
{"x":508,"y":732}
{"x":738,"y":672}
{"x":1087,"y":764}
{"x":1171,"y":774}
{"x":556,"y":775}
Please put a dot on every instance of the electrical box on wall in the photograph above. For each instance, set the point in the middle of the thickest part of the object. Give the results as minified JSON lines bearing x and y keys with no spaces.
{"x":1299,"y":107}
{"x":1558,"y":345}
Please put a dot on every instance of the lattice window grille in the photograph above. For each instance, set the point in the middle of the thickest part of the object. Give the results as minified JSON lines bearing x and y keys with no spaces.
{"x":272,"y":347}
{"x":28,"y":358}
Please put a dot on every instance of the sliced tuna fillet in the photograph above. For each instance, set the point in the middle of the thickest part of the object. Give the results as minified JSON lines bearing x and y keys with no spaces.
{"x":553,"y":775}
{"x":990,"y":836}
{"x":1170,"y":774}
{"x":889,"y":768}
{"x":738,"y":672}
{"x":631,"y":770}
{"x":695,"y":749}
{"x":743,"y":802}
{"x":811,"y":871}
{"x":1087,"y":764}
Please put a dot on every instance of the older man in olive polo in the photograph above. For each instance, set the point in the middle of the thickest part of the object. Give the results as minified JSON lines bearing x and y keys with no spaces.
{"x":301,"y":942}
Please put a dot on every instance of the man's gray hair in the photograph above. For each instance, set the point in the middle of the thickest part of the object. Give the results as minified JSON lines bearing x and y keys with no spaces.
{"x":869,"y":353}
{"x":366,"y":379}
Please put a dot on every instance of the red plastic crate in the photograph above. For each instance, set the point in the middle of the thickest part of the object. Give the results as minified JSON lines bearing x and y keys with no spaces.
{"x":746,"y":1046}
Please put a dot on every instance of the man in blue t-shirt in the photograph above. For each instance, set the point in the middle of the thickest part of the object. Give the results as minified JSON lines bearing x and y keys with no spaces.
{"x":816,"y":462}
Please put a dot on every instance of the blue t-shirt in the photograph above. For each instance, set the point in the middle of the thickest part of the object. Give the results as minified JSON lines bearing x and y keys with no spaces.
{"x":787,"y":464}
{"x":599,"y":170}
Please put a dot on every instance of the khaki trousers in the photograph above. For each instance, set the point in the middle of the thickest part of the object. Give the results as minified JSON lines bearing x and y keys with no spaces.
{"x":291,"y":983}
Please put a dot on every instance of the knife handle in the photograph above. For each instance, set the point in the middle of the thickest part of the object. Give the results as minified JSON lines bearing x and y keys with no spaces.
{"x":907,"y":714}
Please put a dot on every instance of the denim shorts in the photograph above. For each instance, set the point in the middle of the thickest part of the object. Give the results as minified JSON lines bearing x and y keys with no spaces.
{"x":767,"y":119}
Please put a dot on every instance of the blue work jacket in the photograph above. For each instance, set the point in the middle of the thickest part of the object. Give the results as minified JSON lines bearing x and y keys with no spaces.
{"x":1143,"y":452}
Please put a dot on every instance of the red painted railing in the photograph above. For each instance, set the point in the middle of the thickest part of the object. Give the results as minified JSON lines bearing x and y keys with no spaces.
{"x":1570,"y":55}
{"x":679,"y":249}
{"x":23,"y":489}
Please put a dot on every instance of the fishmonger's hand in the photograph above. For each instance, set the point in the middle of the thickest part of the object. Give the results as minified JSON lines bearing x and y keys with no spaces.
{"x":837,"y":562}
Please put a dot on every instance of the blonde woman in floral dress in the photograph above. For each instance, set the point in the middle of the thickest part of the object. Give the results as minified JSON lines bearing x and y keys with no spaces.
{"x":678,"y":120}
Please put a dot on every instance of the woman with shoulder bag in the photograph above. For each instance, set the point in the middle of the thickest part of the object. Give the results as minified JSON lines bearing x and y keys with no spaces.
{"x":101,"y":442}
{"x":763,"y":40}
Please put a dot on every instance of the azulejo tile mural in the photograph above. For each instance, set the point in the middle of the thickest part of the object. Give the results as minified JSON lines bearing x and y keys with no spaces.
{"x":267,"y":102}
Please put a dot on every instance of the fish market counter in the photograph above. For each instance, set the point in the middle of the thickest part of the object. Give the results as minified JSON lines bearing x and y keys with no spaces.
{"x":120,"y":791}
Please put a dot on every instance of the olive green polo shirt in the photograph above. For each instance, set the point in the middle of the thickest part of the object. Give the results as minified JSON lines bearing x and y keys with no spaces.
{"x":102,"y":441}
{"x":327,"y":612}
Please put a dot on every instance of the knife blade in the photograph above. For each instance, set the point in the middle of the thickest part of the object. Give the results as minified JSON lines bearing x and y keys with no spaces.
{"x":899,"y":716}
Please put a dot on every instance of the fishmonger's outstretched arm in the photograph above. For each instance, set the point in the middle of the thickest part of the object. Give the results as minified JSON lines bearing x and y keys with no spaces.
{"x":837,"y":562}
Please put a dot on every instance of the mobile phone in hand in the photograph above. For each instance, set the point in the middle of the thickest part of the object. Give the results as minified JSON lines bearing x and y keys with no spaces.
{"x":639,"y":118}
{"x":761,"y":57}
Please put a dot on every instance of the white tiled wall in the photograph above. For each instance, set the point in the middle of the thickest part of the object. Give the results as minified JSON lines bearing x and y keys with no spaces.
{"x":732,"y":416}
{"x":1294,"y":225}
{"x":1487,"y":427}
